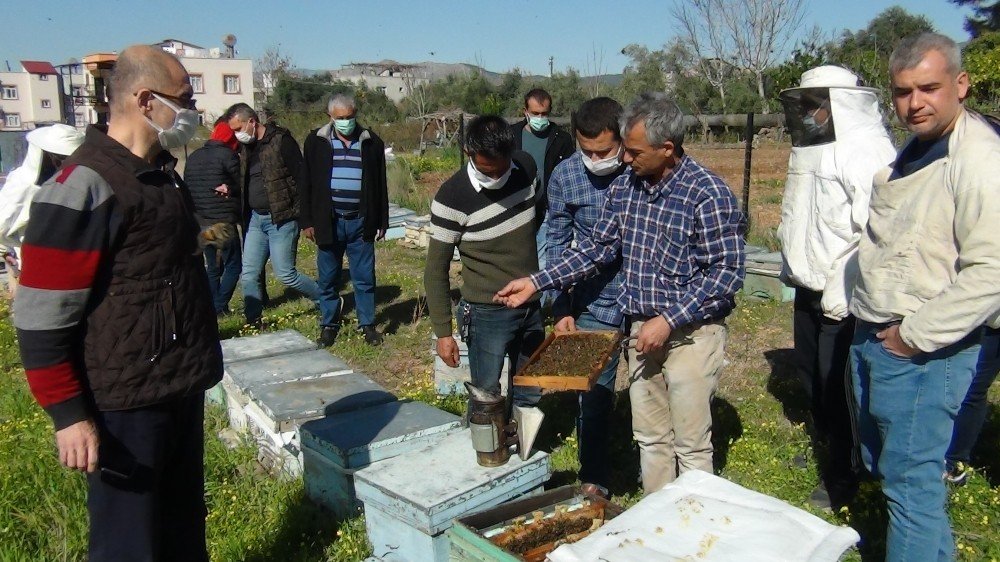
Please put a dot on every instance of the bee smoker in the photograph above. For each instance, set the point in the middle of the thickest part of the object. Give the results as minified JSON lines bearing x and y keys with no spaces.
{"x":492,"y":435}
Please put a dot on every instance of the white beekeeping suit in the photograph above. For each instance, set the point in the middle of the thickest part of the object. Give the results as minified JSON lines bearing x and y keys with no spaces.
{"x":839,"y":143}
{"x":24,"y":181}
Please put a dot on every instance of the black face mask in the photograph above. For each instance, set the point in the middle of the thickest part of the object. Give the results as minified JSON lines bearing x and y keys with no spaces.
{"x":50,"y":164}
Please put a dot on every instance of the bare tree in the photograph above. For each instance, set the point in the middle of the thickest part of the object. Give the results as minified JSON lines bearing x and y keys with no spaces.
{"x":749,"y":35}
{"x":268,"y":68}
{"x":704,"y":34}
{"x":596,"y":69}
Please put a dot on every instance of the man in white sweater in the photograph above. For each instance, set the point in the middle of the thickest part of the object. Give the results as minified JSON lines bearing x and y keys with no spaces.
{"x":839,"y":142}
{"x":929,"y":263}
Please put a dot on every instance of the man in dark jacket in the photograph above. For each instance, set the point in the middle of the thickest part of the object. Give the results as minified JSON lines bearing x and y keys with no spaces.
{"x":212,"y":174}
{"x":345,"y":208}
{"x":271,"y":160}
{"x":117,"y":333}
{"x":548,"y":144}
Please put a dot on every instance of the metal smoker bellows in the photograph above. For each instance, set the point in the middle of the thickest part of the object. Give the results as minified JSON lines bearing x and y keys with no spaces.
{"x":492,"y":435}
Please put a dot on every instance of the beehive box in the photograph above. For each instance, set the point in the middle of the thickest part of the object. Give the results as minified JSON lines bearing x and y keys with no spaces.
{"x":450,"y":380}
{"x":241,"y":377}
{"x":763,"y":278}
{"x":412,"y":499}
{"x":471,"y":536}
{"x":334,"y":447}
{"x":276,"y":411}
{"x":256,"y":347}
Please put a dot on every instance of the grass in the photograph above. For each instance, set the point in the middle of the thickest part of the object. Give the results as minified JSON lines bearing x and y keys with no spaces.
{"x":760,"y":427}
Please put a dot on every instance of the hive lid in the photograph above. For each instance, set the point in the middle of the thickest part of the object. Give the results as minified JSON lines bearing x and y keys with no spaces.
{"x":264,"y":345}
{"x":284,"y":368}
{"x":305,"y":399}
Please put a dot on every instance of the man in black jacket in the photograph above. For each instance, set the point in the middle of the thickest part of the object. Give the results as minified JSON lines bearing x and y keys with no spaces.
{"x":345,"y":208}
{"x":548,"y":144}
{"x":213,"y":175}
{"x":271,"y":160}
{"x":117,"y":334}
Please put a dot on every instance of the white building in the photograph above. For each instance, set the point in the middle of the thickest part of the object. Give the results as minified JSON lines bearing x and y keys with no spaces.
{"x":29,"y":98}
{"x":218,"y":78}
{"x":395,"y":80}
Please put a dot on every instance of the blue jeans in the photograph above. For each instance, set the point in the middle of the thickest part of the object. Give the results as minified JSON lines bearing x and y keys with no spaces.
{"x":906,"y":411}
{"x":223,"y":267}
{"x":595,"y":412}
{"x":361,"y":264}
{"x":280,"y":243}
{"x":972,"y":414}
{"x":495,"y":332}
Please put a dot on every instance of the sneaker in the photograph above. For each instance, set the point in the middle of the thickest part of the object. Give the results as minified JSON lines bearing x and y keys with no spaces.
{"x":372,"y":337}
{"x":328,"y":335}
{"x":957,"y":474}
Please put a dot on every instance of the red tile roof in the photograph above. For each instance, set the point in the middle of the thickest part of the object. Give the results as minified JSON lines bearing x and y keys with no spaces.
{"x":38,"y":67}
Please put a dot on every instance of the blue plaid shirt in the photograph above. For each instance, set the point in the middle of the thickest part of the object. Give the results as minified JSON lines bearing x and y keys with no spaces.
{"x":681,"y":241}
{"x":576,"y":198}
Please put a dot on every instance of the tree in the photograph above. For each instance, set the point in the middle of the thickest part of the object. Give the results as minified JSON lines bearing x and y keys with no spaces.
{"x":703,"y":33}
{"x":985,"y":18}
{"x":268,"y":68}
{"x":982,"y":62}
{"x":810,"y":53}
{"x":645,"y":73}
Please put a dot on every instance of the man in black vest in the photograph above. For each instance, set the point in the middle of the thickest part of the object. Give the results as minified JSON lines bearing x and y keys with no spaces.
{"x":117,"y":332}
{"x":271,"y":161}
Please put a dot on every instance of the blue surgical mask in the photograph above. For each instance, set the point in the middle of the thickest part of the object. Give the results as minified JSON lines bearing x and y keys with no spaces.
{"x":345,"y":126}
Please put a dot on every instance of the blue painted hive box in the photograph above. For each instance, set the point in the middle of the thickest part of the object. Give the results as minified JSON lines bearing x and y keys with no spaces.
{"x":412,"y":499}
{"x":265,"y":345}
{"x":334,"y":447}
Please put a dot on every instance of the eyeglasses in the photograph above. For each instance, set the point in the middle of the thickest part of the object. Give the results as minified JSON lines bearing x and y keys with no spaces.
{"x":189,"y":103}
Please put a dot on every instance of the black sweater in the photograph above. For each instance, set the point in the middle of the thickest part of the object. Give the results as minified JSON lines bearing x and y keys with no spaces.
{"x":207,"y":168}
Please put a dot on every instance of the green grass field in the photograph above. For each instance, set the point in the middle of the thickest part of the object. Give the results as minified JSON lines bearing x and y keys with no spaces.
{"x":759,"y":417}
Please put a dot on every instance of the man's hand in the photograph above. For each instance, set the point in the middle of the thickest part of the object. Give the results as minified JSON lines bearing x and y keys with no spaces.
{"x":447,"y":350}
{"x":78,"y":446}
{"x":516,"y":293}
{"x":222,"y":190}
{"x":894,"y":344}
{"x":379,"y":234}
{"x":566,"y":324}
{"x":309,"y":233}
{"x":653,"y":335}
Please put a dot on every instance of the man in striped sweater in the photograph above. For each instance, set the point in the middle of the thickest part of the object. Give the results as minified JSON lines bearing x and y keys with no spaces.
{"x":489,"y":211}
{"x":115,"y":321}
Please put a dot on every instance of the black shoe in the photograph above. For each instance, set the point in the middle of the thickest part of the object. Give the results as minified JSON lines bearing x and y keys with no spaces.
{"x":340,"y":310}
{"x":372,"y":337}
{"x":820,"y":498}
{"x":957,"y":474}
{"x":328,"y":335}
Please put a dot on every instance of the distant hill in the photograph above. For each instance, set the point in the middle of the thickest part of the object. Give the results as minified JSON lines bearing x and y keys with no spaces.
{"x":441,"y":70}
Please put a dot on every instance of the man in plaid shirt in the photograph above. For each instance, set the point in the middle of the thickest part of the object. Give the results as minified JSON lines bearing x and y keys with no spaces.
{"x":679,"y":232}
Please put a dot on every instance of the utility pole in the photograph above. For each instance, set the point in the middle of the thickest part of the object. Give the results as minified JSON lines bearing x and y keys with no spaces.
{"x":550,"y":66}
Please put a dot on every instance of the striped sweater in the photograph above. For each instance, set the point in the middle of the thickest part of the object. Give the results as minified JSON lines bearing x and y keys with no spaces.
{"x":494,"y":231}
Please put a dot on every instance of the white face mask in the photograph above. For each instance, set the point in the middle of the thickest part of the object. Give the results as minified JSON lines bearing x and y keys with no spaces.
{"x":181,"y":132}
{"x":484,"y":181}
{"x":604,"y":166}
{"x":244,"y":137}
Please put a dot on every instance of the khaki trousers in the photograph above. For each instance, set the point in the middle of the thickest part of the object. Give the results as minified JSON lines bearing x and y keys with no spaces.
{"x":671,"y":391}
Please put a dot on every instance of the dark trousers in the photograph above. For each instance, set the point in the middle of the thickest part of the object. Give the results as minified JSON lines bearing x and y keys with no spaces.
{"x":822,"y":347}
{"x":594,"y":420}
{"x":147,"y":501}
{"x":972,"y":414}
{"x":495,"y":332}
{"x":223,"y":267}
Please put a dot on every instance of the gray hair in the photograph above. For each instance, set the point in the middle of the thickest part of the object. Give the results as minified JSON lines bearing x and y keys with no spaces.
{"x":911,"y":50}
{"x":664,"y":120}
{"x":343,"y":101}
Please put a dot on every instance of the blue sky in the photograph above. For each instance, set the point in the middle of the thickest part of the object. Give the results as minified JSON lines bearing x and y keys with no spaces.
{"x":500,"y":34}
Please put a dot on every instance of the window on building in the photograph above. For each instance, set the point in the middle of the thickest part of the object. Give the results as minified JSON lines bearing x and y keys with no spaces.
{"x":197,"y":83}
{"x":76,"y":69}
{"x":10,"y":92}
{"x":78,"y":119}
{"x":201,"y":118}
{"x":231,"y":83}
{"x":43,"y":77}
{"x":12,"y":120}
{"x":46,"y":104}
{"x":380,"y":89}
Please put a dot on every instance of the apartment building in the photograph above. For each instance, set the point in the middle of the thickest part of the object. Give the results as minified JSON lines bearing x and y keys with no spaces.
{"x":30,"y":98}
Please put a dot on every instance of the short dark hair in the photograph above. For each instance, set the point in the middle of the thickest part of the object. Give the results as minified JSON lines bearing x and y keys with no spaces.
{"x":241,"y":110}
{"x":598,"y":115}
{"x":537,"y":94}
{"x":490,"y":136}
